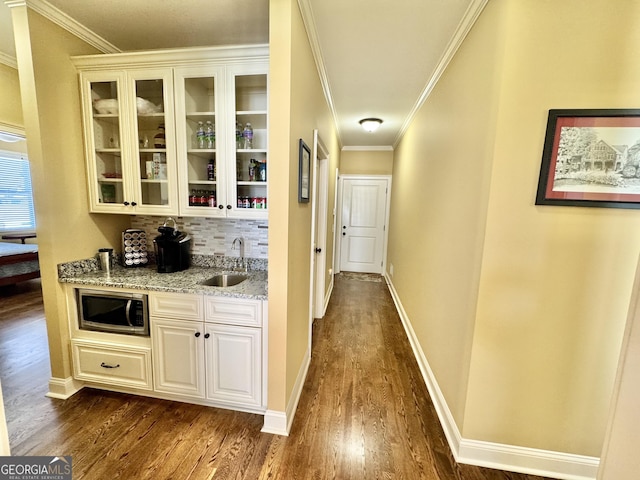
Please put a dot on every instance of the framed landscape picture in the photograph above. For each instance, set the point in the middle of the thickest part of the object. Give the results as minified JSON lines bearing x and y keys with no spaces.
{"x":591,"y":158}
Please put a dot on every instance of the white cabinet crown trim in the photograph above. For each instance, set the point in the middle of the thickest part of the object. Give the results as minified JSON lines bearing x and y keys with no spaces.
{"x":174,"y":57}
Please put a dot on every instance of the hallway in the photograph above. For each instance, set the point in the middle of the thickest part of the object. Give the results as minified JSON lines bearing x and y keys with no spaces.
{"x":364,"y":413}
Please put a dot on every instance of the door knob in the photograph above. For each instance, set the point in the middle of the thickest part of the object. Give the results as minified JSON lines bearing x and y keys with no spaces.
{"x":318,"y":250}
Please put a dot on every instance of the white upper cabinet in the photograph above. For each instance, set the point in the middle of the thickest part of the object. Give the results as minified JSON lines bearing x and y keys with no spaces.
{"x":142,"y":115}
{"x":130,"y":141}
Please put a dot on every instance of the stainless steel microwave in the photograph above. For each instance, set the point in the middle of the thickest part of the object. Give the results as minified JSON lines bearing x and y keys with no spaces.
{"x":114,"y":312}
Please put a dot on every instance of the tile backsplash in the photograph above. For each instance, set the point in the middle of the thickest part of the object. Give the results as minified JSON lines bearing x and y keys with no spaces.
{"x":212,"y":236}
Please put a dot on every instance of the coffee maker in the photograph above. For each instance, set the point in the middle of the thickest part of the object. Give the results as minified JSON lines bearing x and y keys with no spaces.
{"x":172,"y":248}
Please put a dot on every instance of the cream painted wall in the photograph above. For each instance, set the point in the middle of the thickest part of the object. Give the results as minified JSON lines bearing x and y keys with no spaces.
{"x":439,"y":199}
{"x":10,"y":107}
{"x":556,"y":281}
{"x":366,"y":162}
{"x":519,"y":308}
{"x":52,"y":120}
{"x":297,"y":107}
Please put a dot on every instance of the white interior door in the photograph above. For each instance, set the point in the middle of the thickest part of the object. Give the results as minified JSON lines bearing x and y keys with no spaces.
{"x":364,"y":203}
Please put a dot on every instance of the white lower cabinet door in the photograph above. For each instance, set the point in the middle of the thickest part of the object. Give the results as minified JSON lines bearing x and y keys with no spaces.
{"x":234,"y":360}
{"x":178,"y":357}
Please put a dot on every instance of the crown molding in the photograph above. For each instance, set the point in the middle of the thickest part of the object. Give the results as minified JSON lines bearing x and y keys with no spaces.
{"x":176,"y":56}
{"x":63,"y":20}
{"x":471,"y":15}
{"x":8,"y":60}
{"x":310,"y":26}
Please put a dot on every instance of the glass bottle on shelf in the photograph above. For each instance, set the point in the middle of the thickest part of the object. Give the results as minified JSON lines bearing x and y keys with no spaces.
{"x":159,"y":141}
{"x":200,"y":135}
{"x":239,"y":137}
{"x":247,"y":134}
{"x":253,"y":170}
{"x":211,"y":172}
{"x":209,"y":135}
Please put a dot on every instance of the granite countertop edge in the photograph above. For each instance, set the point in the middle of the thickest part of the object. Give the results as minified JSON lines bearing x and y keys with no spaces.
{"x":185,"y":281}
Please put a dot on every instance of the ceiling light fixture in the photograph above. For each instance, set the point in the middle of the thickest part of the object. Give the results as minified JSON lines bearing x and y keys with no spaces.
{"x":370,"y":124}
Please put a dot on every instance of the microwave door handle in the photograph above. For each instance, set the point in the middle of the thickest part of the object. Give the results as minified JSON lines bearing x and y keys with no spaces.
{"x":128,"y":312}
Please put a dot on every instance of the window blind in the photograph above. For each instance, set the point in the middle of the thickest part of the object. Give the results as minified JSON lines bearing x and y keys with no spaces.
{"x":16,"y":196}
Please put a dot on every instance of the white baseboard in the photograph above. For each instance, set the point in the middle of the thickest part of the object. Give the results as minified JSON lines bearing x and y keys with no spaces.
{"x":63,"y":388}
{"x":564,"y":466}
{"x":275,"y":422}
{"x":278,"y":422}
{"x":530,"y":461}
{"x":327,"y":296}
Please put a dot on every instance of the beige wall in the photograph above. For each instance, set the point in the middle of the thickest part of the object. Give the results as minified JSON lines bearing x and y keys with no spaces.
{"x":10,"y":107}
{"x":519,"y":309}
{"x":438,"y":209}
{"x":366,"y":162}
{"x":51,"y":108}
{"x":297,"y":107}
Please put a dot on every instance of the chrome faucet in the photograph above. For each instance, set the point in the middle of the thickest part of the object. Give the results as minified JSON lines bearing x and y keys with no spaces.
{"x":241,"y":264}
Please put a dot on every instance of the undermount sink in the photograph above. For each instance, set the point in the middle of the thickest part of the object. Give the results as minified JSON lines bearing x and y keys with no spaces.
{"x":224,"y":280}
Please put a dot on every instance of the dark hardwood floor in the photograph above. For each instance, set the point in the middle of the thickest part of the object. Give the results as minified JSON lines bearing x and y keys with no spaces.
{"x":365,"y":412}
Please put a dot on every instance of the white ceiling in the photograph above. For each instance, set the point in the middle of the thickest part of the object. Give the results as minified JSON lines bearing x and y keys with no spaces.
{"x":377,"y":58}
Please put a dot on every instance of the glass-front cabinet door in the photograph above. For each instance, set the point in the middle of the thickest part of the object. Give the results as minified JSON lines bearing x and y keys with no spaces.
{"x":153,"y":146}
{"x":103,"y":105}
{"x":249,"y":172}
{"x":200,"y":137}
{"x":124,"y":116}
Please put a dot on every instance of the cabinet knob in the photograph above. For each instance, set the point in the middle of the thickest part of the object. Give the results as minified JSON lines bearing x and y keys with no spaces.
{"x":207,"y":335}
{"x":220,"y":207}
{"x":228,"y":207}
{"x":126,"y":204}
{"x":133,"y":204}
{"x":197,"y":334}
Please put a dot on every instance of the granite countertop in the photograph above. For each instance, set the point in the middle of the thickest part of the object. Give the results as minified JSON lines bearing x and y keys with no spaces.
{"x":186,"y":281}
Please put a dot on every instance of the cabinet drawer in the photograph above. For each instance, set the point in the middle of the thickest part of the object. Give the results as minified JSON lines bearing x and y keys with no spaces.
{"x":183,"y":306}
{"x":233,"y":311}
{"x":112,"y":365}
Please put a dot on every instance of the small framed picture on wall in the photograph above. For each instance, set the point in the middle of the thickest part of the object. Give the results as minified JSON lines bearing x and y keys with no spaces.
{"x":304,"y":175}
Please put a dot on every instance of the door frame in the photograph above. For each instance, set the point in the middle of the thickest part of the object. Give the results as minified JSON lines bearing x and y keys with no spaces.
{"x":338,"y":236}
{"x":320,"y":199}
